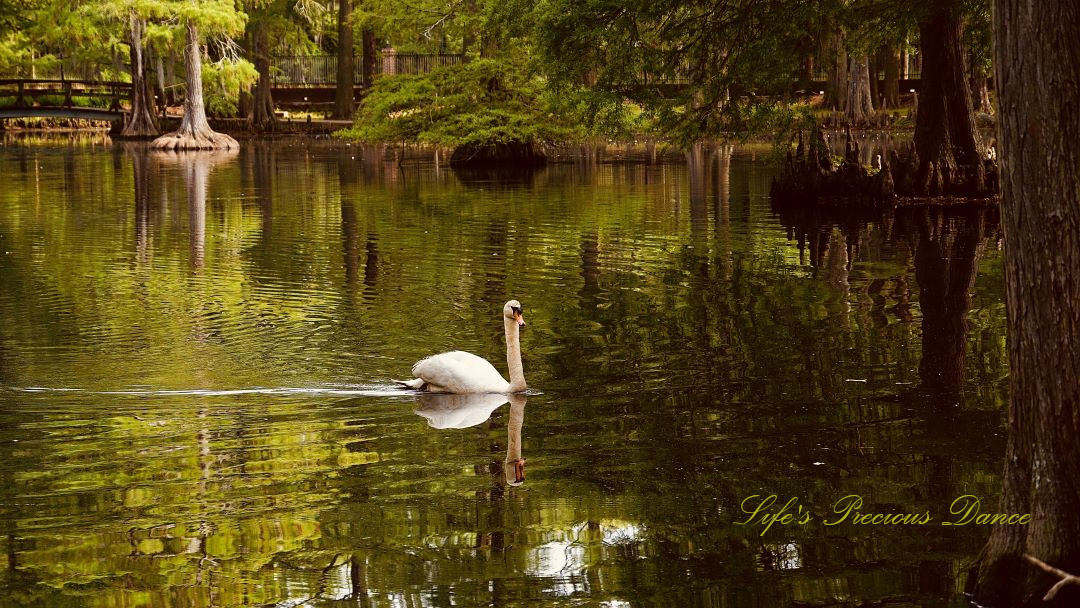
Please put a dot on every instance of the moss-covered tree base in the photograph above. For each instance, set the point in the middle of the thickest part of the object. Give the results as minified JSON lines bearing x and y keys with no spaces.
{"x":514,"y":154}
{"x":186,"y":138}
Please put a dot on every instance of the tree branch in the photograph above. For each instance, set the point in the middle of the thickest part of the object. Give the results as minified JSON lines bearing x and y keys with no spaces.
{"x":1066,"y":578}
{"x":430,"y":28}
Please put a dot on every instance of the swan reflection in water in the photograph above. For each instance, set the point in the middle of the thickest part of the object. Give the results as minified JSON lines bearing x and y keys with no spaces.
{"x":447,"y":411}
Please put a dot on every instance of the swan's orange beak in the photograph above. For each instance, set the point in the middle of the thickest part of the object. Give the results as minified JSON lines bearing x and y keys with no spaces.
{"x":519,"y":318}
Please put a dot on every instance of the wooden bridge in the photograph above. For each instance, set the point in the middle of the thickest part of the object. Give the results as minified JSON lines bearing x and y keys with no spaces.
{"x":96,"y":100}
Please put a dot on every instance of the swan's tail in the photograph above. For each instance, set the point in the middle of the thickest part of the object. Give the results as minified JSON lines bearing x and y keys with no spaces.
{"x":415,"y":383}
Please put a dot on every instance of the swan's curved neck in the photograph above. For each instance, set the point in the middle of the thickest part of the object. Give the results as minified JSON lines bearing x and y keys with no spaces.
{"x":513,"y":356}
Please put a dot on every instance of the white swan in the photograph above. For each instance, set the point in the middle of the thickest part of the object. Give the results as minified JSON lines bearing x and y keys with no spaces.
{"x":465,"y":373}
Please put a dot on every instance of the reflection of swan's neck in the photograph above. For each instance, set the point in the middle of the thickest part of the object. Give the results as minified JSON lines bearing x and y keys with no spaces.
{"x":514,"y":465}
{"x":513,"y":356}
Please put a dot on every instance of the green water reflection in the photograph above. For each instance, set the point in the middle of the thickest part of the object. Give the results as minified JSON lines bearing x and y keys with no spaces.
{"x":196,"y":407}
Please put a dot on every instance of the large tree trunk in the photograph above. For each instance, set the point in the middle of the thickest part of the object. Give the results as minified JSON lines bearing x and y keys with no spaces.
{"x":343,"y":100}
{"x":875,"y":84}
{"x":836,"y":83}
{"x":262,"y":116}
{"x":891,"y":93}
{"x":806,"y":71}
{"x":370,"y":55}
{"x":163,"y":99}
{"x":980,"y":89}
{"x":1037,"y":59}
{"x":945,"y":135}
{"x":860,"y":108}
{"x":141,"y":123}
{"x":983,"y":90}
{"x":194,"y":132}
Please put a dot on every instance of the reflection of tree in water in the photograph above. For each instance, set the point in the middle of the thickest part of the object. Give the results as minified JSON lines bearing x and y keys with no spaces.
{"x":261,"y":159}
{"x":350,"y":242}
{"x":495,"y":177}
{"x":195,"y":167}
{"x":697,"y":170}
{"x":722,"y":208}
{"x":350,"y":230}
{"x":590,"y":269}
{"x":371,"y":264}
{"x":946,"y":260}
{"x":947,"y":248}
{"x":943,"y":247}
{"x":496,"y":246}
{"x":140,"y":170}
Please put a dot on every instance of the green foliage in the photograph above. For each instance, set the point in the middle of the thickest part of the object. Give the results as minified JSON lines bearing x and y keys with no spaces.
{"x":221,"y":82}
{"x":213,"y":17}
{"x":978,"y":36}
{"x":674,"y":58}
{"x":477,"y":103}
{"x":868,"y":24}
{"x":422,"y":26}
{"x":596,"y":113}
{"x":18,"y":59}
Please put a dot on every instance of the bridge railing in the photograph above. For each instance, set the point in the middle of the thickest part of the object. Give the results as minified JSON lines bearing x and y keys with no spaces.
{"x":25,"y":91}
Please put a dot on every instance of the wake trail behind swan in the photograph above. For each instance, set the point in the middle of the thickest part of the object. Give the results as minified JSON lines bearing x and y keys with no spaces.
{"x":346,"y":390}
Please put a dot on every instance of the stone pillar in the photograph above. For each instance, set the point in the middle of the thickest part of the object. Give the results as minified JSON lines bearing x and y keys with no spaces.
{"x":389,"y":61}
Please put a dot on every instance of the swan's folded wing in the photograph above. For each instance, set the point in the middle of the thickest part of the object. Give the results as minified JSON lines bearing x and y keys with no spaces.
{"x":459,"y":371}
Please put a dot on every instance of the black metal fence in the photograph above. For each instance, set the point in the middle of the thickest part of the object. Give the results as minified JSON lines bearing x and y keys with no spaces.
{"x":315,"y":70}
{"x":310,"y":69}
{"x":913,"y":72}
{"x":415,"y":63}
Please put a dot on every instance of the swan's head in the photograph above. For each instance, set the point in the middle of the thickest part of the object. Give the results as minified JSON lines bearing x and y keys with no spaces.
{"x":515,"y":472}
{"x":512,"y":310}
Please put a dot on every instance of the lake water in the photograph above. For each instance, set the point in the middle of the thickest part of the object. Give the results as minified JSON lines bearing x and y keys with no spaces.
{"x":196,"y":406}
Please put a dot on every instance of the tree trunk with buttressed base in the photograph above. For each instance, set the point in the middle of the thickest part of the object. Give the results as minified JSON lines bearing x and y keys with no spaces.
{"x":141,"y":123}
{"x":945,"y":135}
{"x":1037,"y":59}
{"x":194,"y":132}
